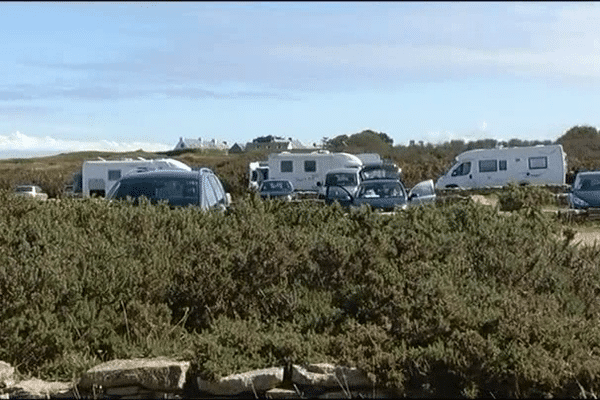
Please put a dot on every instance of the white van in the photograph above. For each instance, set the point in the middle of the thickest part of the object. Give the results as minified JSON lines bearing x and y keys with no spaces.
{"x":306,"y":171}
{"x":535,"y":165}
{"x":258,"y":172}
{"x":99,"y":176}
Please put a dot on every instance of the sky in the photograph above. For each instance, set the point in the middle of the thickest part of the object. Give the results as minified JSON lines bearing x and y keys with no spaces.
{"x":125,"y":76}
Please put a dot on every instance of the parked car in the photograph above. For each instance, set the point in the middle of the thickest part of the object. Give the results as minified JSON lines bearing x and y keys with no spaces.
{"x":380,"y":171}
{"x":31,"y":191}
{"x":277,"y":189}
{"x":200,"y":188}
{"x":585,"y":192}
{"x":383,"y":194}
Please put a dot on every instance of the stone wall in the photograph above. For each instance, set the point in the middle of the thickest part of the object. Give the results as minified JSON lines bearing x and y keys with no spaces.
{"x":161,"y":378}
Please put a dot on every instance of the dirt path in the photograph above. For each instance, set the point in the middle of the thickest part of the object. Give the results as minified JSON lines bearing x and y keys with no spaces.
{"x":587,"y":238}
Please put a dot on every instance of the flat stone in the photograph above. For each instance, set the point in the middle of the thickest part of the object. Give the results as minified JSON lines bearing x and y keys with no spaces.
{"x":7,"y":373}
{"x":329,"y":376}
{"x":257,"y":381}
{"x":159,"y":374}
{"x":37,"y":388}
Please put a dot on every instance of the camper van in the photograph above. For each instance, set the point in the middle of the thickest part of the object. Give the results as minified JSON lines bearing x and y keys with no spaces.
{"x":306,"y":171}
{"x":259,"y":172}
{"x":98,"y":176}
{"x":535,"y":165}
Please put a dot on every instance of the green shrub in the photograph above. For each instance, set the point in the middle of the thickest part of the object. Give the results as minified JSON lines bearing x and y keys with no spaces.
{"x":514,"y":197}
{"x":455,"y":297}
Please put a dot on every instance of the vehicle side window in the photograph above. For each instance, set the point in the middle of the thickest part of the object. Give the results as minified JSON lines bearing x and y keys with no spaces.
{"x":135,"y":189}
{"x":502,"y":165}
{"x":488,"y":165}
{"x":287,"y":166}
{"x":538,"y":162}
{"x":218,"y":188}
{"x":310,"y":166}
{"x":208,"y":191}
{"x":462,"y":169}
{"x":114,"y":174}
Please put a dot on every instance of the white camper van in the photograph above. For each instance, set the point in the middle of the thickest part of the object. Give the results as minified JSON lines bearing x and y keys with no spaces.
{"x":258,"y":171}
{"x":99,"y":176}
{"x":535,"y":165}
{"x":307,"y":171}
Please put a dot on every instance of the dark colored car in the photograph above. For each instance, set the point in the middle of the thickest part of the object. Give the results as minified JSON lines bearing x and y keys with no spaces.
{"x":382,"y":194}
{"x":277,"y":189}
{"x":380,"y":171}
{"x":585,"y":192}
{"x":199,"y":188}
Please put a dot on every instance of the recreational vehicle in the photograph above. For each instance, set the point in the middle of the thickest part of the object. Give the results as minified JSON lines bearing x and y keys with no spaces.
{"x":259,"y":172}
{"x":306,"y":171}
{"x":98,"y":176}
{"x":535,"y":165}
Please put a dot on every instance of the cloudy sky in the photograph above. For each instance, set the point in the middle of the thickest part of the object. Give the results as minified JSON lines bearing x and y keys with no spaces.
{"x":125,"y":76}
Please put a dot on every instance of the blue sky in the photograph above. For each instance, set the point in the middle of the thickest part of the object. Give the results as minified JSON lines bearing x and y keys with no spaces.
{"x":124,"y":76}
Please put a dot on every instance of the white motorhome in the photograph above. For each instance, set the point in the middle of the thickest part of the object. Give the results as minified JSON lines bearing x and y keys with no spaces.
{"x":258,"y":171}
{"x":307,"y":171}
{"x":535,"y":165}
{"x":99,"y":176}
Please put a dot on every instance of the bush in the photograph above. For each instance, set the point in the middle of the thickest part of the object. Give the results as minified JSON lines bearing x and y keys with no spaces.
{"x":494,"y":304}
{"x":514,"y":197}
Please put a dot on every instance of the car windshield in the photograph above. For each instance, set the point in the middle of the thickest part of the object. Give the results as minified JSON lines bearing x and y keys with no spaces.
{"x":341,"y":179}
{"x":22,"y":189}
{"x":588,"y":182}
{"x":381,"y":190}
{"x":277,"y":186}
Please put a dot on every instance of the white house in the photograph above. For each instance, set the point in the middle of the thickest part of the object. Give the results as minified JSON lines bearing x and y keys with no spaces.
{"x":186,"y":143}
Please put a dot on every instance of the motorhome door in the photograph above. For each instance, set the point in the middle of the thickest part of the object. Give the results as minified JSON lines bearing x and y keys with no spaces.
{"x":461,"y":175}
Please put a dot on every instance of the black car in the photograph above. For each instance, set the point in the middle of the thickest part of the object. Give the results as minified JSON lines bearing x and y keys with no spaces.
{"x":199,"y":188}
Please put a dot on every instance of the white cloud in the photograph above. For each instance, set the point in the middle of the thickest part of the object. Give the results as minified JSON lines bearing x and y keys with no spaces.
{"x":19,"y":145}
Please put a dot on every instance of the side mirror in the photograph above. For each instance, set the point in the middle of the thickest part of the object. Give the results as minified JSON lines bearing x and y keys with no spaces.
{"x":227,"y":199}
{"x":319,"y":184}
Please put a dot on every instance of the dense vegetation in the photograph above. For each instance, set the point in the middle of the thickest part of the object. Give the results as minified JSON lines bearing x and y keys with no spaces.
{"x":456,"y":297}
{"x":459,"y":297}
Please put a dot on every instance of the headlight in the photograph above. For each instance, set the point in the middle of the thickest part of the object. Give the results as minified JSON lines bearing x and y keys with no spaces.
{"x":576,"y":202}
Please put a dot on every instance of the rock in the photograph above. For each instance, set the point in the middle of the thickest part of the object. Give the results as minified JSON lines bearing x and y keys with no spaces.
{"x":158,"y":374}
{"x":7,"y":373}
{"x":329,"y":376}
{"x":36,"y":388}
{"x":257,"y":381}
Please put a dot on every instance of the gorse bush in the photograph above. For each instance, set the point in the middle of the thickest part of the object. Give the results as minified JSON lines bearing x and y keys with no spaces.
{"x":514,"y":197}
{"x":458,"y":297}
